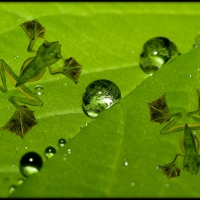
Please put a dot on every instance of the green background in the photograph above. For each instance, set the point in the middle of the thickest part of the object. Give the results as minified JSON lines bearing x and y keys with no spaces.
{"x":106,"y":39}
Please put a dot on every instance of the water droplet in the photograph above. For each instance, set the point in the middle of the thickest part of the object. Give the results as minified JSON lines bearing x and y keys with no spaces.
{"x":81,"y":128}
{"x":86,"y":123}
{"x":13,"y":165}
{"x":167,"y":185}
{"x":64,"y":158}
{"x":69,"y":151}
{"x":132,"y":52}
{"x":198,"y":68}
{"x":190,"y":75}
{"x":194,"y":132}
{"x":156,"y":52}
{"x":15,"y":57}
{"x":61,"y":142}
{"x":26,"y":147}
{"x":39,"y":90}
{"x":125,"y":162}
{"x":157,"y":167}
{"x":132,"y":183}
{"x":20,"y":181}
{"x":17,"y":148}
{"x":99,"y":96}
{"x":12,"y":189}
{"x":30,"y":163}
{"x":49,"y":152}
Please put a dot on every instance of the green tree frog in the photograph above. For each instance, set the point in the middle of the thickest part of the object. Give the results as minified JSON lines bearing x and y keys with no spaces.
{"x":189,"y":143}
{"x":32,"y":70}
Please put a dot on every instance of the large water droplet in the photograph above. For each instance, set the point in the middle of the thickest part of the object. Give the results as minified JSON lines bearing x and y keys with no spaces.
{"x":156,"y":52}
{"x":30,"y":163}
{"x":49,"y":152}
{"x":39,"y":90}
{"x":61,"y":142}
{"x":99,"y":96}
{"x":12,"y":189}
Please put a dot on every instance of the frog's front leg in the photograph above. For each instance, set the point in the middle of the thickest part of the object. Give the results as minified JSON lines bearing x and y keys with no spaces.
{"x":23,"y":119}
{"x":34,"y":30}
{"x":191,"y":160}
{"x":71,"y":68}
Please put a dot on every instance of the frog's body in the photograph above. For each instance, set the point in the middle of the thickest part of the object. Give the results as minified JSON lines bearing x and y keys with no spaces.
{"x":189,"y":142}
{"x":32,"y":70}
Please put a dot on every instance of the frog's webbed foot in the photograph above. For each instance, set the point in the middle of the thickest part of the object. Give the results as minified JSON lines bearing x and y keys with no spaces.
{"x":21,"y":122}
{"x":159,"y":110}
{"x":171,"y":170}
{"x":71,"y":69}
{"x":34,"y":30}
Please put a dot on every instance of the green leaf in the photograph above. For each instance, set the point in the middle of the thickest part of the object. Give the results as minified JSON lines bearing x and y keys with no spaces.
{"x":116,"y":155}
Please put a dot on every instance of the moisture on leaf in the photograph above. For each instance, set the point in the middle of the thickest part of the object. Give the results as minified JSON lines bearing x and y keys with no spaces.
{"x":21,"y":122}
{"x":33,"y":29}
{"x":170,"y":170}
{"x":159,"y":110}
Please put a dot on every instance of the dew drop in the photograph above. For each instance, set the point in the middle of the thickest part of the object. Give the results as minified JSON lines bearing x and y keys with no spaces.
{"x":190,"y":75}
{"x":132,"y":183}
{"x":125,"y":162}
{"x":99,"y":96}
{"x":26,"y":147}
{"x":156,"y":52}
{"x":15,"y":57}
{"x":30,"y":163}
{"x":86,"y":123}
{"x":13,"y":165}
{"x":69,"y":151}
{"x":20,"y":181}
{"x":167,"y":185}
{"x":17,"y":148}
{"x":61,"y":142}
{"x":132,"y":52}
{"x":49,"y":152}
{"x":157,"y":167}
{"x":39,"y":90}
{"x":12,"y":189}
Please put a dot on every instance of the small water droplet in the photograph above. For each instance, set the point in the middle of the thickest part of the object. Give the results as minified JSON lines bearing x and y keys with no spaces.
{"x":13,"y":165}
{"x":156,"y":52}
{"x":132,"y":52}
{"x":17,"y":148}
{"x":99,"y":96}
{"x":167,"y":185}
{"x":157,"y":167}
{"x":15,"y":57}
{"x":39,"y":90}
{"x":12,"y":189}
{"x":81,"y":128}
{"x":20,"y":181}
{"x":64,"y":158}
{"x":125,"y":162}
{"x":61,"y":142}
{"x":132,"y":183}
{"x":198,"y":68}
{"x":190,"y":75}
{"x":30,"y":163}
{"x":69,"y":151}
{"x":65,"y":84}
{"x":86,"y":123}
{"x":26,"y":147}
{"x":49,"y":152}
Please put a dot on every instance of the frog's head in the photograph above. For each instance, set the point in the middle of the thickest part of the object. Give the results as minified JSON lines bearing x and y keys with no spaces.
{"x":49,"y":52}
